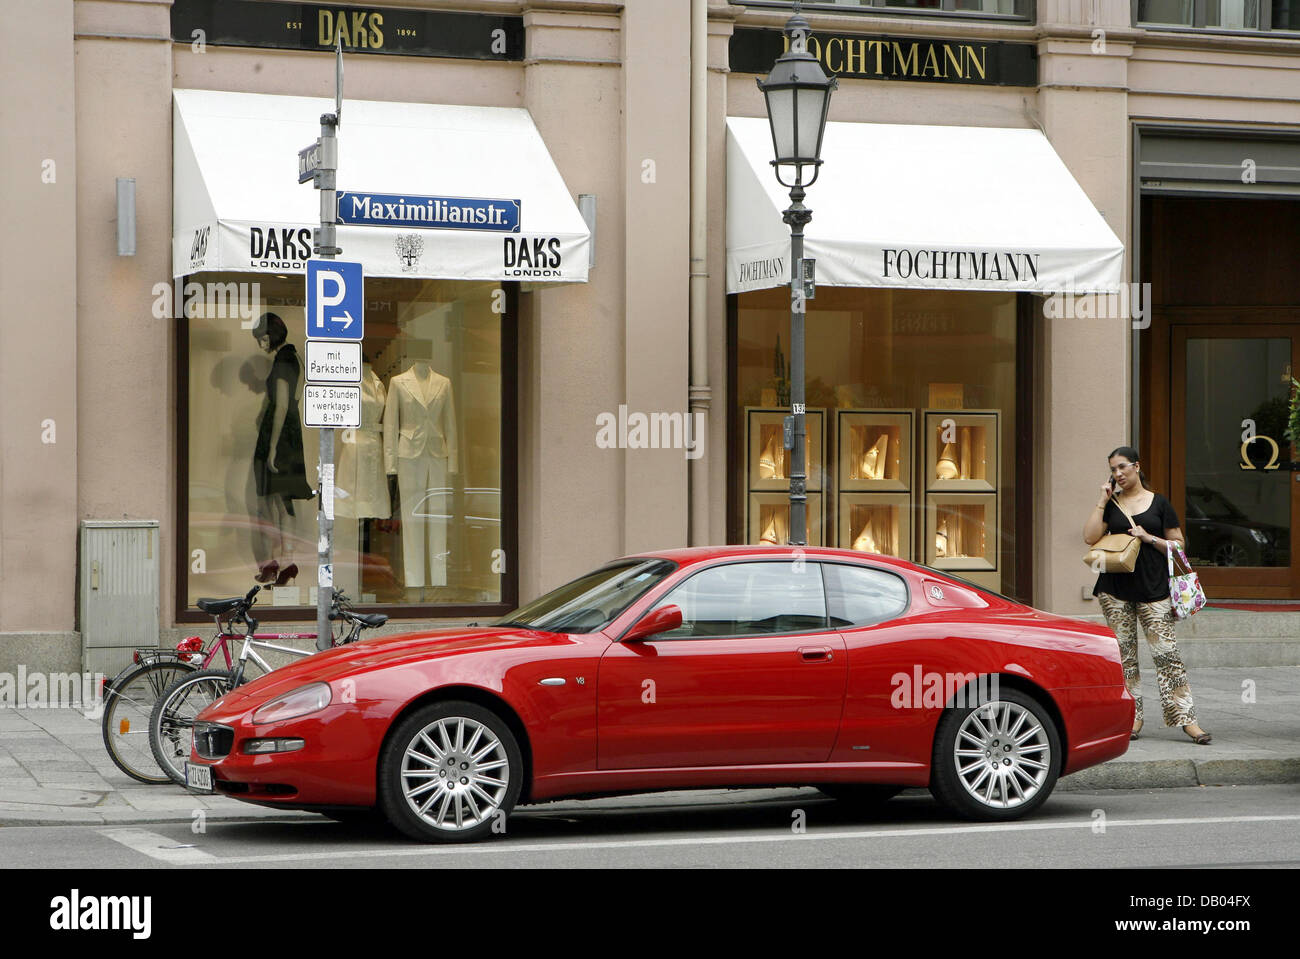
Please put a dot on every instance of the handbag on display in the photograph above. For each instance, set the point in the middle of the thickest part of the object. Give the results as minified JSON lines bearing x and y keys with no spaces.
{"x":1114,"y":552}
{"x":1185,"y":593}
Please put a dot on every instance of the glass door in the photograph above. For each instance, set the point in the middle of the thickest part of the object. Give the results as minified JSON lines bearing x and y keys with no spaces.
{"x":1231,"y":481}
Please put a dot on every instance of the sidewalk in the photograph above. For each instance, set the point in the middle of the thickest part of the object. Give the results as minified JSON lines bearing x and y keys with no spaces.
{"x":54,"y":768}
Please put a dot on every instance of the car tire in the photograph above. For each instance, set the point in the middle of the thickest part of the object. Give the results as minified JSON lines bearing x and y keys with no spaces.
{"x":860,"y":794}
{"x":418,"y":796}
{"x":1020,"y":732}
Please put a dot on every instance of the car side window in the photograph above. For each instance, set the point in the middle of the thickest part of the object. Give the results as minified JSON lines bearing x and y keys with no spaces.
{"x":862,"y":595}
{"x":748,"y":599}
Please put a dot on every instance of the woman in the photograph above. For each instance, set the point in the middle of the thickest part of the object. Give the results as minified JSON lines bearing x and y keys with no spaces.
{"x":1143,"y":595}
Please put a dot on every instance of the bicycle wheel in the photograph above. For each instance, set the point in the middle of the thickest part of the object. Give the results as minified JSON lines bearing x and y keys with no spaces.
{"x":173,"y":715}
{"x":128,"y":703}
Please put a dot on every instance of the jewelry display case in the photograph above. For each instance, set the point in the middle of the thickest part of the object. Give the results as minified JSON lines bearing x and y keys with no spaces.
{"x":769,"y":518}
{"x":961,"y":531}
{"x":767,"y":464}
{"x":876,"y":523}
{"x":874,"y":449}
{"x":961,"y":450}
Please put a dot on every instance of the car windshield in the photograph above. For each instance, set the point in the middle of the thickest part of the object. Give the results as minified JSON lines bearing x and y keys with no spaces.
{"x":593,"y":601}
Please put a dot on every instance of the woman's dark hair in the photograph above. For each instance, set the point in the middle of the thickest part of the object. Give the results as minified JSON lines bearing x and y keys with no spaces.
{"x":271,"y":326}
{"x":1130,"y":454}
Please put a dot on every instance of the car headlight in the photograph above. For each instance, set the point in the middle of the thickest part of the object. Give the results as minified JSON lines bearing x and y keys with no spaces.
{"x":1258,"y":536}
{"x":299,"y":702}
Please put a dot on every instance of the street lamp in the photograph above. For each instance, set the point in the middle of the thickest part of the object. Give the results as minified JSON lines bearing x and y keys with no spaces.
{"x":798,"y":94}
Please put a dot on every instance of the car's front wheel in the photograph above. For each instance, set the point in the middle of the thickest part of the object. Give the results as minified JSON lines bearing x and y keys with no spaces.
{"x":450,"y":772}
{"x":997,"y":760}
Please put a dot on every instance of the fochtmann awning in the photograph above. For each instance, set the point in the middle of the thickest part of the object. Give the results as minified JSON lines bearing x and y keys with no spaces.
{"x":432,"y":191}
{"x":920,"y":207}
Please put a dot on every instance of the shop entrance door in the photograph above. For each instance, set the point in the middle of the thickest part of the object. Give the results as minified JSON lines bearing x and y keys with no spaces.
{"x":1230,"y":381}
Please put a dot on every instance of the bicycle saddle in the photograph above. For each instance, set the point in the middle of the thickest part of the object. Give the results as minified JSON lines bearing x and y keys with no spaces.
{"x":371,"y":619}
{"x":216,"y":607}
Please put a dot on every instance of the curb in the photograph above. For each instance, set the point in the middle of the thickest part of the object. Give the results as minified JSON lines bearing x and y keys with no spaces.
{"x":1175,"y":773}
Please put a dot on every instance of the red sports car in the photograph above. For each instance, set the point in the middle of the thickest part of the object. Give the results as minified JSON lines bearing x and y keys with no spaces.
{"x":728,"y":666}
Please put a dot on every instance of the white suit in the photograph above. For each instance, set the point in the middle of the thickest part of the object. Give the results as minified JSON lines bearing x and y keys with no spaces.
{"x":420,"y":447}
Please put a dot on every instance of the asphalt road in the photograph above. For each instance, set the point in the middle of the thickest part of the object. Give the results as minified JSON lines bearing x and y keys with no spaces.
{"x":1199,"y":828}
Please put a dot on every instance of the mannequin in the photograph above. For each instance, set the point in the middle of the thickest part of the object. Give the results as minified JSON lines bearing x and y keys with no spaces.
{"x":279,"y":466}
{"x":361,"y":486}
{"x":420,"y":449}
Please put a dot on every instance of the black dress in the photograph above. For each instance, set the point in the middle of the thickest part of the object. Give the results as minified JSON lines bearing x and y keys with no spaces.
{"x":1149,"y":580}
{"x":290,"y":477}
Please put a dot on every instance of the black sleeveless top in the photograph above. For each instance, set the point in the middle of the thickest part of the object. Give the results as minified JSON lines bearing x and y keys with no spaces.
{"x":1149,"y":580}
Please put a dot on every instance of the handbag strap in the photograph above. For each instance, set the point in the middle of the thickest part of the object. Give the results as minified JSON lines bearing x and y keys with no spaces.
{"x":1172,"y":548}
{"x":1115,"y":500}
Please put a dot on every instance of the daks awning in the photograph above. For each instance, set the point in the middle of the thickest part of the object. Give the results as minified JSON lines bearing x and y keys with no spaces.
{"x":462,"y":193}
{"x":920,"y":207}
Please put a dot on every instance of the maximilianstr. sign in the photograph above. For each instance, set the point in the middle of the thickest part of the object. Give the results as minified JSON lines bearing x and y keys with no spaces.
{"x":428,"y":212}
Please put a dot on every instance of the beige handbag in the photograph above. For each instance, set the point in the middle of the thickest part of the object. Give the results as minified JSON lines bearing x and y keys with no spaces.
{"x":1114,"y":552}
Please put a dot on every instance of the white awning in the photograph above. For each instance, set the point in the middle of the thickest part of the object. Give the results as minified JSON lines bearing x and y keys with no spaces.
{"x":238,"y":204}
{"x":920,"y":207}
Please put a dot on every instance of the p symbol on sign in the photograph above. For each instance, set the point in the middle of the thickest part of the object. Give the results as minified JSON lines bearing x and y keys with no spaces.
{"x":335,"y":300}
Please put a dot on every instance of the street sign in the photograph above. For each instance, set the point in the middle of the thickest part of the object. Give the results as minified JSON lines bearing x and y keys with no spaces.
{"x":335,"y":300}
{"x":330,"y":362}
{"x":336,"y":407}
{"x":308,"y":162}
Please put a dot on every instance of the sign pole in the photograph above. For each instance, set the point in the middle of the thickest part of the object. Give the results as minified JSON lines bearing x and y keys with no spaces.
{"x":325,"y":246}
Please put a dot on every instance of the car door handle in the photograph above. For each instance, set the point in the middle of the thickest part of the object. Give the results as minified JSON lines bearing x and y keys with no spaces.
{"x":816,"y":654}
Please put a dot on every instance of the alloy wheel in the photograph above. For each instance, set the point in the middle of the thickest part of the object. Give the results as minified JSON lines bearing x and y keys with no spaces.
{"x":1002,"y":755}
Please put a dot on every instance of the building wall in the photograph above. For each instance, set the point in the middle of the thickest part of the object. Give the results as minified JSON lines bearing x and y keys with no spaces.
{"x":607,"y":85}
{"x":38,"y":338}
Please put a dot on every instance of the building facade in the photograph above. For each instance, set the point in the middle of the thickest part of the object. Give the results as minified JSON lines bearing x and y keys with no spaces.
{"x":598,"y":376}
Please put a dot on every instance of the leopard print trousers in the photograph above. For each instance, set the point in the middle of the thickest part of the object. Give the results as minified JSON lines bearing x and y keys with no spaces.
{"x":1157,"y":621}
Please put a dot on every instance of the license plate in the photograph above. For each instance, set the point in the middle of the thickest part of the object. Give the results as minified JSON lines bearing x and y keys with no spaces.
{"x":198,"y":777}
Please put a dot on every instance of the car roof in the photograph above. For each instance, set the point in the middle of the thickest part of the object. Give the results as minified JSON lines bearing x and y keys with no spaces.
{"x":690,"y":556}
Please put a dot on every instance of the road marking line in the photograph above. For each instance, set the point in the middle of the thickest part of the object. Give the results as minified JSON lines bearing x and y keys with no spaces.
{"x":159,"y":847}
{"x":499,"y":847}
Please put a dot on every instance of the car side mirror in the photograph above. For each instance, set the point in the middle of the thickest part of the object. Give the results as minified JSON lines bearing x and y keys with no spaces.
{"x":661,"y":620}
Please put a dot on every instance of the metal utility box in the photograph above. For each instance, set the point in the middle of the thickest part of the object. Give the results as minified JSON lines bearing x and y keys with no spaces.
{"x":118,"y":591}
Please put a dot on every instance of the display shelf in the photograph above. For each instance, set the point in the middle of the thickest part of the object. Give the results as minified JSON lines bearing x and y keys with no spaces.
{"x":767,"y":463}
{"x":961,"y":450}
{"x":874,"y":449}
{"x":769,"y":518}
{"x":876,"y":523}
{"x":961,"y":531}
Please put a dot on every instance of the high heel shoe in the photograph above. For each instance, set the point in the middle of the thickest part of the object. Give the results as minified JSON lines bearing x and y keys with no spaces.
{"x":1137,"y":731}
{"x":1204,"y":739}
{"x":286,"y":574}
{"x":267,"y":571}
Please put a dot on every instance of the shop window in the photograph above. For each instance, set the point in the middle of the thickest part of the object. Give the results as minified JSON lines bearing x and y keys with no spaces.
{"x":911,"y":399}
{"x":420,"y":491}
{"x":1219,"y":15}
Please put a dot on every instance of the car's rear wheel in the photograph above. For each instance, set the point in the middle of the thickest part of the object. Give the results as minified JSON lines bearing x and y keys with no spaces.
{"x":997,"y":760}
{"x":451,"y":772}
{"x":860,"y":794}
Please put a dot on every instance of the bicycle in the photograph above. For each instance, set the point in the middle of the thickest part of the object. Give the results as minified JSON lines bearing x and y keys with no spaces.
{"x":129,"y":699}
{"x":172,"y":717}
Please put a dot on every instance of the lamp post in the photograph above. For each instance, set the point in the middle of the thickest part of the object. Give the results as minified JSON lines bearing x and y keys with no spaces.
{"x":798,"y":94}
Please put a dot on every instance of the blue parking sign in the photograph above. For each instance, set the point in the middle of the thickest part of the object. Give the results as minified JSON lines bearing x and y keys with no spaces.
{"x":335,"y":300}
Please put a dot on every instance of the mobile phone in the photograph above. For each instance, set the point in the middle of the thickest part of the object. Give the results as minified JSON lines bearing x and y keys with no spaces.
{"x":1112,"y":482}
